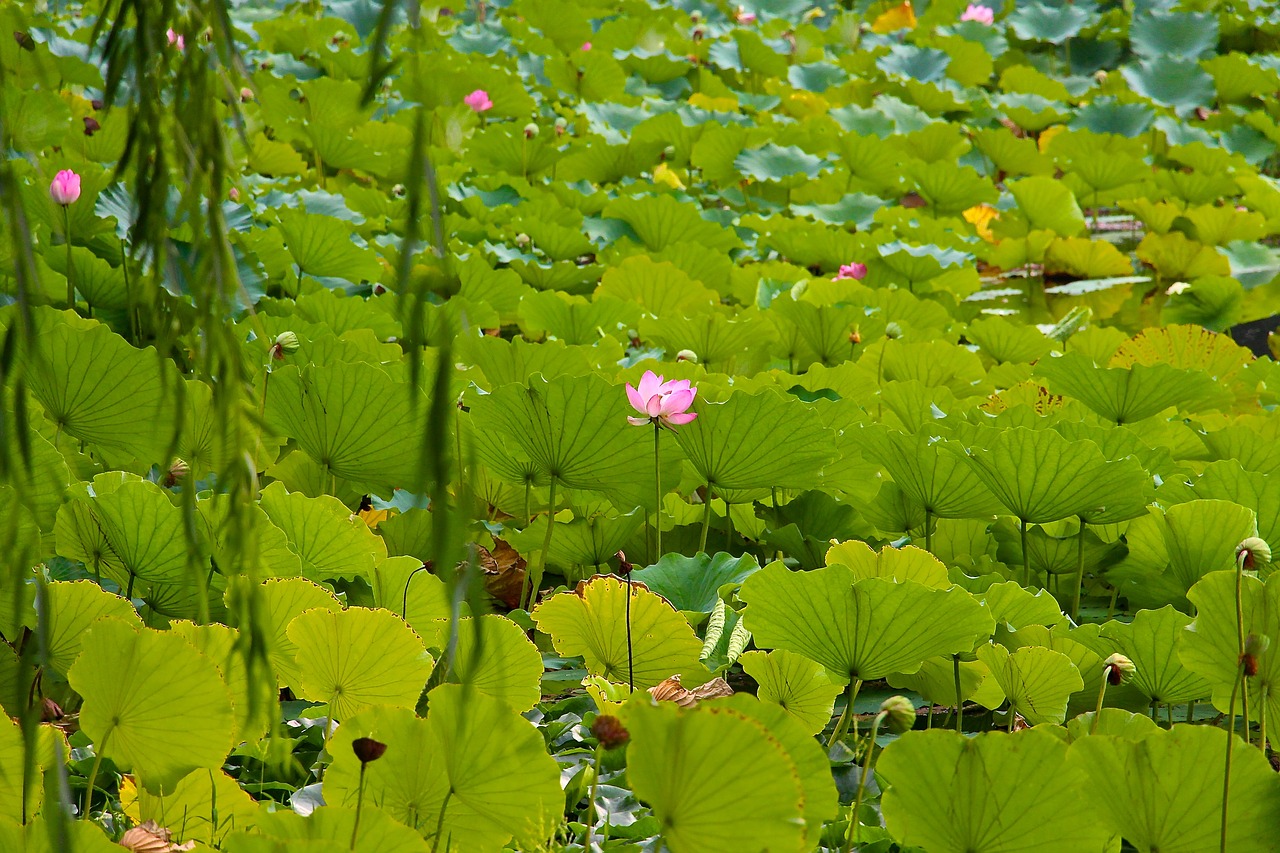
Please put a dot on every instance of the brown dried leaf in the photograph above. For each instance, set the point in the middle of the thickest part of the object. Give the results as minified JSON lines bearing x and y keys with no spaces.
{"x":671,"y":690}
{"x":504,"y":571}
{"x":151,"y":837}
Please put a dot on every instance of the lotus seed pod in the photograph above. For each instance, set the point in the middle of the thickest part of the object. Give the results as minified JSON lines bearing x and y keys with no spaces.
{"x":1255,"y":645}
{"x":367,"y":749}
{"x":522,"y":239}
{"x":1253,"y":553}
{"x":1119,"y":668}
{"x":893,"y":331}
{"x":687,"y":355}
{"x":610,"y":731}
{"x":530,"y":130}
{"x":246,"y":95}
{"x":899,"y":714}
{"x":668,"y":152}
{"x":178,"y":470}
{"x":286,"y":343}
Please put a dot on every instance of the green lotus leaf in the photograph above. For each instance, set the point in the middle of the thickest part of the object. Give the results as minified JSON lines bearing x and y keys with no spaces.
{"x":1210,"y":645}
{"x":1201,"y":537}
{"x":84,"y":837}
{"x":674,"y":763}
{"x":756,"y":441}
{"x":330,"y":542}
{"x":1017,"y":608}
{"x":795,"y":684}
{"x":1177,"y":258}
{"x":223,"y":646}
{"x":152,"y":702}
{"x":694,"y":583}
{"x":1048,"y":205}
{"x":944,"y":484}
{"x":576,"y":432}
{"x":131,"y":531}
{"x":660,"y":221}
{"x":403,"y":585}
{"x":662,"y":289}
{"x":494,"y":657}
{"x":587,"y":542}
{"x":73,"y":607}
{"x":1171,"y":82}
{"x":1238,"y":77}
{"x":936,"y":682}
{"x":950,"y":189}
{"x":821,"y":332}
{"x":787,"y":165}
{"x":205,"y":806}
{"x":1226,"y":480}
{"x":1164,"y":791}
{"x":941,"y":787}
{"x":1116,"y":722}
{"x":322,"y":246}
{"x":908,"y":563}
{"x":1087,"y":258}
{"x":592,"y":622}
{"x":1151,"y":641}
{"x":820,"y":797}
{"x":353,"y":659}
{"x":1036,"y":21}
{"x":328,"y":829}
{"x":573,"y":320}
{"x":474,"y":751}
{"x":354,"y":420}
{"x":264,"y":552}
{"x":97,"y":388}
{"x":859,"y":629}
{"x":718,"y":342}
{"x":1125,"y":395}
{"x":101,"y":284}
{"x":1036,"y":680}
{"x":283,"y":600}
{"x":1009,"y":343}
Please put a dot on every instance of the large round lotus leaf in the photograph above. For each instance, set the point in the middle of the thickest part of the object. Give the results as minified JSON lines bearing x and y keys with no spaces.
{"x":404,"y":586}
{"x":494,"y":656}
{"x":592,"y":622}
{"x":952,"y":794}
{"x":693,"y":583}
{"x":152,"y":702}
{"x":82,"y":837}
{"x":1015,"y":607}
{"x":283,"y":600}
{"x":353,"y":420}
{"x":1171,"y":82}
{"x":73,"y":607}
{"x":206,"y":805}
{"x":267,"y":553}
{"x":503,"y":782}
{"x":1036,"y":473}
{"x":795,"y":684}
{"x":221,"y":645}
{"x":820,"y":797}
{"x":1151,"y":641}
{"x":677,"y":762}
{"x":1125,"y":395}
{"x":1163,"y":792}
{"x":757,"y":441}
{"x":132,"y":529}
{"x":355,"y":658}
{"x":576,"y":431}
{"x":322,"y":246}
{"x":1049,"y":22}
{"x":99,"y":389}
{"x":1210,"y":645}
{"x":332,"y":826}
{"x":859,"y":630}
{"x":330,"y":542}
{"x":1036,"y":680}
{"x":936,"y":682}
{"x":899,"y":564}
{"x":1116,"y":722}
{"x":1201,"y":538}
{"x":938,"y":481}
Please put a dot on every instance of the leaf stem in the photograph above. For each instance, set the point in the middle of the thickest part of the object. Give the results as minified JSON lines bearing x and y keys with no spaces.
{"x":535,"y":579}
{"x":928,"y":530}
{"x":98,"y":749}
{"x":435,"y":841}
{"x":355,"y":828}
{"x":591,"y":797}
{"x":1226,"y":773}
{"x":867,"y":763}
{"x":1075,"y":602}
{"x":842,"y":726}
{"x":1102,"y":693}
{"x":706,"y":520}
{"x":955,"y":663}
{"x":1026,"y":554}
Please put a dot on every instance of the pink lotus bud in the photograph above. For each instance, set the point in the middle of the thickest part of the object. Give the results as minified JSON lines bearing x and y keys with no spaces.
{"x":744,"y":17}
{"x":665,"y":403}
{"x":176,"y":39}
{"x":65,"y":187}
{"x":855,"y":271}
{"x":982,"y":14}
{"x":586,"y":45}
{"x":478,"y":101}
{"x":233,"y":194}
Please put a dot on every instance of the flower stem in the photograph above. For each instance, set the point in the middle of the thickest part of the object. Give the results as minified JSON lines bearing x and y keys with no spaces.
{"x":631,"y":664}
{"x":1075,"y":602}
{"x":1102,"y":693}
{"x":535,"y":579}
{"x":842,"y":726}
{"x":355,"y":828}
{"x":706,"y":520}
{"x":1244,"y":684}
{"x":1226,"y":773}
{"x":657,"y":487}
{"x":955,"y":664}
{"x":867,"y":764}
{"x":435,"y":841}
{"x":591,"y":798}
{"x":98,"y":750}
{"x":1026,"y":555}
{"x":71,"y":280}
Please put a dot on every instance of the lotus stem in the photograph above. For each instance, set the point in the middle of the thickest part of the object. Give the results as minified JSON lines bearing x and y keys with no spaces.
{"x":1226,"y":773}
{"x":706,"y":520}
{"x":98,"y":750}
{"x":1102,"y":693}
{"x":1075,"y":602}
{"x":435,"y":840}
{"x":1191,"y":710}
{"x":535,"y":579}
{"x":355,"y":828}
{"x":1244,"y":683}
{"x":928,"y":530}
{"x":1026,"y":554}
{"x":867,"y":764}
{"x":71,"y":275}
{"x":631,"y":669}
{"x":842,"y":726}
{"x":955,"y":664}
{"x":657,"y":487}
{"x":528,"y":519}
{"x":728,"y":528}
{"x":591,"y":797}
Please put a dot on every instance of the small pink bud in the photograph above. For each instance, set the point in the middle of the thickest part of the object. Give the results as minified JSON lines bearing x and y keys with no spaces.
{"x":478,"y":101}
{"x":586,"y":45}
{"x":176,"y":39}
{"x":744,"y":17}
{"x":233,"y":194}
{"x":982,"y":14}
{"x":65,"y":188}
{"x":855,"y":271}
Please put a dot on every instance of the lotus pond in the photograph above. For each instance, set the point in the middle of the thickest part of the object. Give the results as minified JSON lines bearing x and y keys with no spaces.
{"x":620,"y":425}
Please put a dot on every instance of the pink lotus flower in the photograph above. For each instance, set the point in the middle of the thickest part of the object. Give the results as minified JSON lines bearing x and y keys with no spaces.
{"x":586,"y":45}
{"x":982,"y":14}
{"x":65,"y":187}
{"x":176,"y":39}
{"x":478,"y":101}
{"x":744,"y":17}
{"x":855,"y":271}
{"x":665,"y":403}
